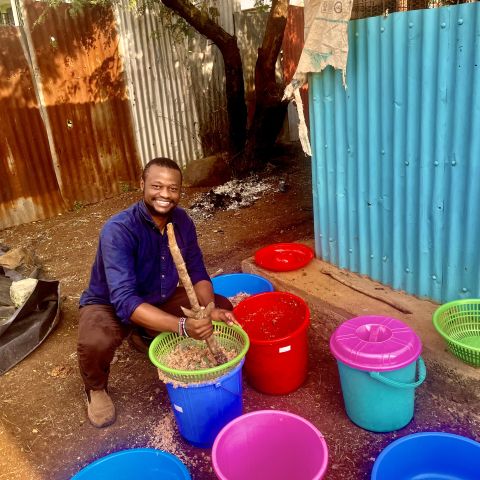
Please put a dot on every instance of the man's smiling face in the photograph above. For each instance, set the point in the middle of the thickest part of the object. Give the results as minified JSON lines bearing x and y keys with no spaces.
{"x":161,"y":190}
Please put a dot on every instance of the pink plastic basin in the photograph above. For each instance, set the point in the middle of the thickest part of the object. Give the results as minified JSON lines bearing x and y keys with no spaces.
{"x":270,"y":445}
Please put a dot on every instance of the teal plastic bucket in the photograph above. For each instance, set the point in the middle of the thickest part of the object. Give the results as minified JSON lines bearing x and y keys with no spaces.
{"x":380,"y":401}
{"x":380,"y":367}
{"x":202,"y":410}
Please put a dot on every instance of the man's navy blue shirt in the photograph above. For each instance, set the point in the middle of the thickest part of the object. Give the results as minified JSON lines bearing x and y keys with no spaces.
{"x":133,"y":264}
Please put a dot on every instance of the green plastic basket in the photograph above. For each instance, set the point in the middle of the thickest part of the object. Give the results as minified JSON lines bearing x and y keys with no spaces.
{"x":231,"y":337}
{"x":458,"y":323}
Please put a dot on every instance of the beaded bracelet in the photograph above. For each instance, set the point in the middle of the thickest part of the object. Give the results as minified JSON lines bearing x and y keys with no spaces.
{"x":184,"y":328}
{"x":181,"y":326}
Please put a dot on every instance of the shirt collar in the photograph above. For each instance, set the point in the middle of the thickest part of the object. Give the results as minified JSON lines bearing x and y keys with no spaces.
{"x":146,"y":215}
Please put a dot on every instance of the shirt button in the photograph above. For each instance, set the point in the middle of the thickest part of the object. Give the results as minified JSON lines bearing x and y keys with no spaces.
{"x":163,"y":258}
{"x":163,"y":296}
{"x":163,"y":276}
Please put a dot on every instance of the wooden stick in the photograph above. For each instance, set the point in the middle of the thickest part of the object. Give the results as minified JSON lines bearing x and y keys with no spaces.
{"x":196,"y":309}
{"x":182,"y":268}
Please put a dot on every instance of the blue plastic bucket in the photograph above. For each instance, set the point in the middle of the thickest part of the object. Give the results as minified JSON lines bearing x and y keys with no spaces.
{"x":429,"y":455}
{"x":127,"y":464}
{"x":377,"y":360}
{"x":232,"y":284}
{"x":202,"y":410}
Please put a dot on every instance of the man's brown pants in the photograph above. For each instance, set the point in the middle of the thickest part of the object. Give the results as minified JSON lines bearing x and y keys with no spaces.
{"x":100,"y":333}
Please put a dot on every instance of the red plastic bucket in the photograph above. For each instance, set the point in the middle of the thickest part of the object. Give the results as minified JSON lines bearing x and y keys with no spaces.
{"x":276,"y":323}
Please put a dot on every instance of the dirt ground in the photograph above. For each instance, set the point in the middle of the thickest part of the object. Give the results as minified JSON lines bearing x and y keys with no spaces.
{"x":44,"y":432}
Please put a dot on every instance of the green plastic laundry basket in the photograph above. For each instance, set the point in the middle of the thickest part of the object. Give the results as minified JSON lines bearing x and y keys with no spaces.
{"x":231,"y":337}
{"x":458,"y":323}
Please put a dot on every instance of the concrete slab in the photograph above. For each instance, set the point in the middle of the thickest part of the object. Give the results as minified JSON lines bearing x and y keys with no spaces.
{"x":339,"y":295}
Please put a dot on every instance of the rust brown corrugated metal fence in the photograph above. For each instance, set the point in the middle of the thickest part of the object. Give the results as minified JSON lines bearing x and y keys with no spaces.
{"x":87,"y":98}
{"x":29,"y":187}
{"x":68,"y":135}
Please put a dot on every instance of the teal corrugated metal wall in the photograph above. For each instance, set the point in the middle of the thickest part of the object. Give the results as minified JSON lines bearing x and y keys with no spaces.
{"x":396,"y":156}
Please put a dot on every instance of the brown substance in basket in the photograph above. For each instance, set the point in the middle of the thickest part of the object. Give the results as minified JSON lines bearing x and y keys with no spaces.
{"x":192,"y":357}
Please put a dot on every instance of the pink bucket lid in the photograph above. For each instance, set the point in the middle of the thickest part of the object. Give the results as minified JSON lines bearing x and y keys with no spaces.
{"x":375,"y":343}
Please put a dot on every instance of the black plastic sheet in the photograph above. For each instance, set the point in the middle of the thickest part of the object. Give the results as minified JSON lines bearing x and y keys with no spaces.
{"x":30,"y":324}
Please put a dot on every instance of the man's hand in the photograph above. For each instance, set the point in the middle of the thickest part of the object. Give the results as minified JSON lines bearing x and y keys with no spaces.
{"x":199,"y":328}
{"x":222,"y":315}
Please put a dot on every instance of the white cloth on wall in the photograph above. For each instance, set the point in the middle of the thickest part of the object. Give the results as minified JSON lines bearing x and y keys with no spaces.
{"x":326,"y":43}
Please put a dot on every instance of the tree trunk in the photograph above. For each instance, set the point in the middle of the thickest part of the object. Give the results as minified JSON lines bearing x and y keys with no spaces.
{"x":234,"y":86}
{"x":269,"y":109}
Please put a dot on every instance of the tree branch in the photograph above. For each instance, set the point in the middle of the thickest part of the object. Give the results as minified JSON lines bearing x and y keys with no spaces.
{"x":272,"y":43}
{"x":200,"y":21}
{"x":234,"y":86}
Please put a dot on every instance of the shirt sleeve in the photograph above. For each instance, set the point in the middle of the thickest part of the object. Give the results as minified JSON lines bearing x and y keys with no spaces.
{"x":118,"y":246}
{"x":193,"y":255}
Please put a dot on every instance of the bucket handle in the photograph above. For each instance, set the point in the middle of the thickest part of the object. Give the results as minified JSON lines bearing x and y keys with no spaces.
{"x":422,"y":373}
{"x":219,"y":385}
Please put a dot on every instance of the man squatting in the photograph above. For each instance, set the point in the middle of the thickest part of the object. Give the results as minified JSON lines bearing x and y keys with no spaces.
{"x":133,"y":290}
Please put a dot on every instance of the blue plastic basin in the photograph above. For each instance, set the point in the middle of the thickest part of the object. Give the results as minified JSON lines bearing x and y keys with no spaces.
{"x":429,"y":456}
{"x":144,"y":463}
{"x":232,"y":284}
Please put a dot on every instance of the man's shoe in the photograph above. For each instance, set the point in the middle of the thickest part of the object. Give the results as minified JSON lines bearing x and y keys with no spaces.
{"x":100,"y":408}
